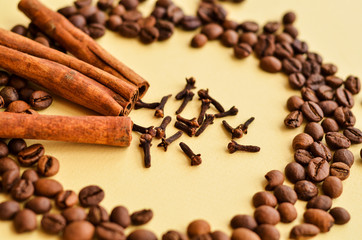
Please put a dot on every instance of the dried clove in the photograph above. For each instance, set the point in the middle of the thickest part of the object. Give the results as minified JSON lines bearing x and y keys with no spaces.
{"x":159,"y":109}
{"x":244,"y":127}
{"x":204,"y":94}
{"x":160,"y":131}
{"x":189,"y":122}
{"x":209,"y":119}
{"x":190,"y":84}
{"x":167,"y":141}
{"x":195,"y":158}
{"x":144,"y":130}
{"x":235,"y":132}
{"x":140,"y":104}
{"x":205,"y":104}
{"x":183,"y":127}
{"x":145,"y":143}
{"x":188,"y":97}
{"x":234,"y":146}
{"x":231,"y":112}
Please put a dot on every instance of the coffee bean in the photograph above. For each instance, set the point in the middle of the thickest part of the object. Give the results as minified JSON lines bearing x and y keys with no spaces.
{"x":229,"y":38}
{"x":302,"y":141}
{"x":340,"y":170}
{"x":284,"y":37}
{"x":270,"y":64}
{"x":212,"y":31}
{"x":333,"y":81}
{"x":340,"y":215}
{"x":344,"y":97}
{"x":82,"y":3}
{"x":299,"y":46}
{"x":309,"y":95}
{"x":325,"y":93}
{"x":118,"y":10}
{"x":323,"y":220}
{"x":18,"y":107}
{"x":332,"y":187}
{"x":304,"y":230}
{"x":271,"y":27}
{"x":149,"y":35}
{"x":264,"y":198}
{"x":8,"y":209}
{"x":9,"y":179}
{"x":22,"y":190}
{"x":294,"y":172}
{"x":305,"y":190}
{"x":17,"y":82}
{"x":265,"y":46}
{"x":287,"y":211}
{"x":108,"y":231}
{"x":141,"y":217}
{"x":66,"y":199}
{"x":345,"y":156}
{"x":318,"y":149}
{"x":242,"y":50}
{"x":336,"y":140}
{"x":310,"y":68}
{"x":284,"y":50}
{"x":296,"y":80}
{"x":320,"y":202}
{"x":53,"y":223}
{"x":244,"y":234}
{"x":190,"y":23}
{"x":216,"y":235}
{"x":25,"y":221}
{"x":78,"y":21}
{"x":294,"y":103}
{"x":274,"y":178}
{"x":165,"y":28}
{"x":249,"y":26}
{"x":243,"y":221}
{"x":25,"y":93}
{"x":141,"y":234}
{"x":96,"y":30}
{"x":132,"y":16}
{"x":294,"y":119}
{"x":303,"y":157}
{"x":159,"y":12}
{"x":285,"y":194}
{"x":48,"y":166}
{"x":199,"y":40}
{"x":129,"y":29}
{"x":4,"y":150}
{"x":8,"y":164}
{"x":97,"y":215}
{"x":30,"y":155}
{"x":39,"y":205}
{"x":312,"y":111}
{"x":173,"y":235}
{"x":289,"y":18}
{"x":249,"y":38}
{"x":198,"y":227}
{"x":90,"y":196}
{"x":174,"y":14}
{"x":9,"y":94}
{"x":328,"y":107}
{"x":353,"y":84}
{"x":114,"y":22}
{"x":266,"y":215}
{"x":230,"y":24}
{"x":129,"y":4}
{"x":98,"y":17}
{"x":329,"y":125}
{"x":314,"y":57}
{"x":318,"y":169}
{"x":353,"y":134}
{"x":268,"y":232}
{"x":47,"y":187}
{"x":292,"y":65}
{"x":105,"y":4}
{"x":315,"y":130}
{"x":74,"y":214}
{"x":20,"y":29}
{"x":79,"y":230}
{"x":68,"y":11}
{"x":344,"y":117}
{"x":31,"y":175}
{"x":120,"y":216}
{"x":328,"y":69}
{"x":149,"y":21}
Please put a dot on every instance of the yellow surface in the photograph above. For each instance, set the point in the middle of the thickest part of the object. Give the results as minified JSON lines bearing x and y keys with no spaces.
{"x":224,"y":184}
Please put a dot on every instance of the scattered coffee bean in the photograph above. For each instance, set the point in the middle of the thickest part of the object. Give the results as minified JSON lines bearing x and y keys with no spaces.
{"x":353,"y":134}
{"x":304,"y":230}
{"x":332,"y":187}
{"x":340,"y":170}
{"x":8,"y":209}
{"x":30,"y":155}
{"x":340,"y":215}
{"x":190,"y":23}
{"x":229,"y":38}
{"x":336,"y":140}
{"x":212,"y":31}
{"x":318,"y":149}
{"x":218,"y":235}
{"x":4,"y":150}
{"x":283,"y":50}
{"x":344,"y":97}
{"x":129,"y":29}
{"x":97,"y":215}
{"x":353,"y":84}
{"x":141,"y":234}
{"x":287,"y":211}
{"x":312,"y":111}
{"x":294,"y":103}
{"x":149,"y":34}
{"x":330,"y":125}
{"x":322,"y":219}
{"x":243,"y":221}
{"x":289,"y":18}
{"x":120,"y":216}
{"x":53,"y":223}
{"x":22,"y":190}
{"x":303,"y":157}
{"x":17,"y":82}
{"x":315,"y":130}
{"x":9,"y":94}
{"x":284,"y":37}
{"x":265,"y":46}
{"x":74,"y":214}
{"x":244,"y":234}
{"x":39,"y":205}
{"x":274,"y":178}
{"x":268,"y":232}
{"x":198,"y":227}
{"x":4,"y":78}
{"x":16,"y":145}
{"x":320,"y":202}
{"x":305,"y":190}
{"x":344,"y":155}
{"x":8,"y":164}
{"x":329,"y":69}
{"x":344,"y":117}
{"x":325,"y":93}
{"x":199,"y":40}
{"x":31,"y":175}
{"x":9,"y":179}
{"x":309,"y":95}
{"x":109,"y":230}
{"x":20,"y":29}
{"x":328,"y":107}
{"x":266,"y":215}
{"x":294,"y":172}
{"x":299,"y":46}
{"x":173,"y":235}
{"x":25,"y":221}
{"x":264,"y":198}
{"x":141,"y":217}
{"x":78,"y":21}
{"x":96,"y":30}
{"x":114,"y":22}
{"x":47,"y":187}
{"x":302,"y":141}
{"x":165,"y":28}
{"x":293,"y":119}
{"x":292,"y":65}
{"x":79,"y":230}
{"x":270,"y":64}
{"x":242,"y":50}
{"x":285,"y":194}
{"x":90,"y":196}
{"x":333,"y":81}
{"x":48,"y":166}
{"x":296,"y":80}
{"x":318,"y":169}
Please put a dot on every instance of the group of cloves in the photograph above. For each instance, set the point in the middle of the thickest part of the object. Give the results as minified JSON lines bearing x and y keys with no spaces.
{"x":192,"y":127}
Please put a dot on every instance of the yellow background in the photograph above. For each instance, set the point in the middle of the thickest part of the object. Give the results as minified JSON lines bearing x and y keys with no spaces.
{"x":224,"y":184}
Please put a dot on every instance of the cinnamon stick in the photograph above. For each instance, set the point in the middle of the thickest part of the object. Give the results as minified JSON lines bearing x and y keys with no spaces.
{"x":62,"y":81}
{"x":127,"y":91}
{"x":106,"y":130}
{"x":78,"y":43}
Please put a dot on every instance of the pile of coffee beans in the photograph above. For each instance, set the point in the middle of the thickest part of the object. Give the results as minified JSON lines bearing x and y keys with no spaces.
{"x":16,"y":96}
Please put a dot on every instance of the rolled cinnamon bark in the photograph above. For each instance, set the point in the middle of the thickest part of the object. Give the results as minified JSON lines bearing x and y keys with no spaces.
{"x":128,"y":92}
{"x":62,"y":81}
{"x":106,"y":130}
{"x":78,"y":43}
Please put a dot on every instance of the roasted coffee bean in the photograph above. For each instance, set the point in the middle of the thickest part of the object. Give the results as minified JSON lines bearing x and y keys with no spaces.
{"x":129,"y":4}
{"x":4,"y":150}
{"x":332,"y":187}
{"x":329,"y":125}
{"x":271,"y":27}
{"x":129,"y":29}
{"x":318,"y":169}
{"x":294,"y":119}
{"x":264,"y":198}
{"x":265,"y":46}
{"x":165,"y":28}
{"x":120,"y":216}
{"x":8,"y":209}
{"x":294,"y":172}
{"x":229,"y":38}
{"x":159,"y":12}
{"x":325,"y":93}
{"x":312,"y":111}
{"x":287,"y":212}
{"x":310,"y":67}
{"x":20,"y":29}
{"x":292,"y":65}
{"x":132,"y":16}
{"x":97,"y":214}
{"x":4,"y":78}
{"x":25,"y":93}
{"x":299,"y":46}
{"x":9,"y":94}
{"x":305,"y":190}
{"x":270,"y":64}
{"x":230,"y":24}
{"x":66,"y":199}
{"x":323,"y":220}
{"x":345,"y":156}
{"x":353,"y":134}
{"x":304,"y":230}
{"x":68,"y":11}
{"x":78,"y":21}
{"x":302,"y":141}
{"x":31,"y":175}
{"x":79,"y":230}
{"x":284,"y":37}
{"x":90,"y":196}
{"x":248,"y":38}
{"x":315,"y":81}
{"x":190,"y":23}
{"x":25,"y":221}
{"x":318,"y":149}
{"x":320,"y":202}
{"x":96,"y":30}
{"x":296,"y":80}
{"x":74,"y":214}
{"x":199,"y":40}
{"x":47,"y":187}
{"x":82,"y":3}
{"x":198,"y":227}
{"x":294,"y":103}
{"x":39,"y":205}
{"x":149,"y":21}
{"x":105,"y":4}
{"x":149,"y":35}
{"x":344,"y":97}
{"x":249,"y":26}
{"x":42,"y":40}
{"x":303,"y":156}
{"x":266,"y":215}
{"x":336,"y":140}
{"x":17,"y":82}
{"x":141,"y":217}
{"x":333,"y":81}
{"x":173,"y":235}
{"x":353,"y":84}
{"x":344,"y":117}
{"x":175,"y":14}
{"x":314,"y":57}
{"x":8,"y":164}
{"x":48,"y":166}
{"x":9,"y":179}
{"x":340,"y":170}
{"x":110,"y":231}
{"x":217,"y":235}
{"x":141,"y":234}
{"x":87,"y":11}
{"x":340,"y":215}
{"x":118,"y":10}
{"x":315,"y":130}
{"x":328,"y":107}
{"x":285,"y":194}
{"x":242,"y":50}
{"x":283,"y":50}
{"x":289,"y":18}
{"x":18,"y":107}
{"x":164,"y":3}
{"x":309,"y":95}
{"x":268,"y":232}
{"x":114,"y":22}
{"x":212,"y":31}
{"x":244,"y":234}
{"x":53,"y":223}
{"x":328,"y":69}
{"x":274,"y":178}
{"x":293,"y":32}
{"x":30,"y":155}
{"x":243,"y":221}
{"x":22,"y":190}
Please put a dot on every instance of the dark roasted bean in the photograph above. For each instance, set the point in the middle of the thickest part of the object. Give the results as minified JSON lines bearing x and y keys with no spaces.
{"x":118,"y":10}
{"x":78,"y":230}
{"x":149,"y":35}
{"x":340,"y":215}
{"x":25,"y":221}
{"x":266,"y":215}
{"x":302,"y":141}
{"x":175,"y":14}
{"x":274,"y":178}
{"x":22,"y":190}
{"x":249,"y":26}
{"x":173,"y":235}
{"x":53,"y":223}
{"x":305,"y":190}
{"x":344,"y":97}
{"x":271,"y":27}
{"x":47,"y":187}
{"x":303,"y":156}
{"x":141,"y":217}
{"x":212,"y":31}
{"x":165,"y":28}
{"x":9,"y":94}
{"x":289,"y":18}
{"x":8,"y":209}
{"x":109,"y":230}
{"x":267,"y":231}
{"x":31,"y":175}
{"x":284,"y":37}
{"x":244,"y":233}
{"x":120,"y":216}
{"x":318,"y":169}
{"x":18,"y":107}
{"x":345,"y":156}
{"x":322,"y":219}
{"x":129,"y":4}
{"x":328,"y":107}
{"x":315,"y":81}
{"x":312,"y":111}
{"x":78,"y":20}
{"x":20,"y":29}
{"x":9,"y":179}
{"x":90,"y":196}
{"x":283,"y":50}
{"x":248,"y":38}
{"x":309,"y":95}
{"x":333,"y":81}
{"x":199,"y":40}
{"x":230,"y":24}
{"x":318,"y":149}
{"x":243,"y":221}
{"x":264,"y":198}
{"x":310,"y":67}
{"x":189,"y":23}
{"x":198,"y":227}
{"x":353,"y":134}
{"x":328,"y":69}
{"x":315,"y":130}
{"x":299,"y":46}
{"x":287,"y":211}
{"x":285,"y":194}
{"x":129,"y":29}
{"x":242,"y":50}
{"x":304,"y":230}
{"x":293,"y":32}
{"x":332,"y":187}
{"x":270,"y":64}
{"x":325,"y":93}
{"x":97,"y":214}
{"x":296,"y":80}
{"x":74,"y":214}
{"x":329,"y":125}
{"x":66,"y":199}
{"x":294,"y":103}
{"x":30,"y":155}
{"x":340,"y":170}
{"x":320,"y":202}
{"x":344,"y":117}
{"x":48,"y":166}
{"x":294,"y":172}
{"x":96,"y":30}
{"x":39,"y":205}
{"x":294,"y":119}
{"x":4,"y":78}
{"x":353,"y":84}
{"x":229,"y":38}
{"x":336,"y":140}
{"x":292,"y":65}
{"x":265,"y":46}
{"x":141,"y":234}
